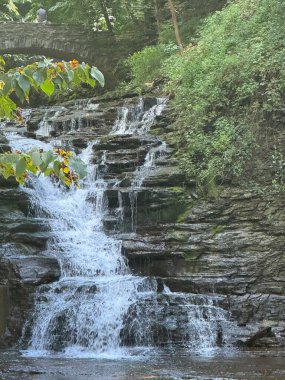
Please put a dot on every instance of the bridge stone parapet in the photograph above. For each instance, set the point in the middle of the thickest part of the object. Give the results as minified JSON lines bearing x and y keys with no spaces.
{"x":67,"y":42}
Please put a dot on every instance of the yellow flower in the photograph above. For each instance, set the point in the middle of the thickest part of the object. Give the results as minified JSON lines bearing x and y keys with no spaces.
{"x":74,"y":64}
{"x":2,"y":84}
{"x":65,"y":170}
{"x":60,"y":66}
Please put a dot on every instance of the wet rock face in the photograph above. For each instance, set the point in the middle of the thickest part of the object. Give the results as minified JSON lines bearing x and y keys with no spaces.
{"x":20,"y":275}
{"x":231,"y":247}
{"x":234,"y":247}
{"x":22,"y":264}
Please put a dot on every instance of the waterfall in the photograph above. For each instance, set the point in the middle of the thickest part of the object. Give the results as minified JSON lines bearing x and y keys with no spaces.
{"x":46,"y":124}
{"x":149,"y":164}
{"x":98,"y":307}
{"x":85,"y":310}
{"x":136,"y":119}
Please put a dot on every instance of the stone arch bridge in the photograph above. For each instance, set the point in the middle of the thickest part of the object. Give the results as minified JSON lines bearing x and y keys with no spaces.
{"x":67,"y":42}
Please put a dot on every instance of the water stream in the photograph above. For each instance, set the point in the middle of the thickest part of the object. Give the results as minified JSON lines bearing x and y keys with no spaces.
{"x":98,"y":308}
{"x":136,"y":119}
{"x":84,"y":311}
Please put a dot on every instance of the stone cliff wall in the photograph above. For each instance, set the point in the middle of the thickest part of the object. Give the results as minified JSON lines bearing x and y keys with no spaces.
{"x":232,"y":246}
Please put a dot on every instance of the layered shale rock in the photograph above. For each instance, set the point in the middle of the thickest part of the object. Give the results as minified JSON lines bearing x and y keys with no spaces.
{"x":230,"y":248}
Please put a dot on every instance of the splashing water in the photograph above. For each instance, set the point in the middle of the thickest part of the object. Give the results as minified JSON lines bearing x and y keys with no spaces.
{"x":149,"y":164}
{"x":46,"y":125}
{"x":135,"y":120}
{"x":97,"y":305}
{"x":85,"y":309}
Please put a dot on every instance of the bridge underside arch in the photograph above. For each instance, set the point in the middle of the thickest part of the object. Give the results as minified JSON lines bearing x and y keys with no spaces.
{"x":66,"y":42}
{"x":47,"y":52}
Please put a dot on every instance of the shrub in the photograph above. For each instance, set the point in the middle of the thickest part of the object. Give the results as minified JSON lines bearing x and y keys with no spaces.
{"x":145,"y":65}
{"x":228,"y":86}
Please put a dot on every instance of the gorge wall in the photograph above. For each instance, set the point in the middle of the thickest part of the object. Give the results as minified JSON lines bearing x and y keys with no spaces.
{"x":231,"y":247}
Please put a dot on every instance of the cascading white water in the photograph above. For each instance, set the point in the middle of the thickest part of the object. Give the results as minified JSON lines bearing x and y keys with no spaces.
{"x":206,"y":325}
{"x":86,"y":308}
{"x":140,"y":174}
{"x":86,"y":104}
{"x":97,"y":305}
{"x":135,"y":120}
{"x":46,"y":124}
{"x":149,"y":164}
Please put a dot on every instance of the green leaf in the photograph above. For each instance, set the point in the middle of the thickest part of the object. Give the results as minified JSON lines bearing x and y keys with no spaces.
{"x":2,"y":63}
{"x":76,"y":79}
{"x":7,"y":171}
{"x":20,"y":166}
{"x":20,"y":180}
{"x":96,"y":74}
{"x":81,"y":74}
{"x":36,"y":158}
{"x":48,"y":172}
{"x":70,"y":75}
{"x":78,"y":167}
{"x":24,"y":83}
{"x":19,"y":92}
{"x":45,"y":63}
{"x":47,"y":158}
{"x":47,"y":87}
{"x":12,"y":7}
{"x":6,"y":107}
{"x":91,"y":82}
{"x":56,"y":167}
{"x":39,"y":77}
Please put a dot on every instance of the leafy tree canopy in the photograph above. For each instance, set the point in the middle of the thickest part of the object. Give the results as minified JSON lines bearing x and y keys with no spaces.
{"x":123,"y":14}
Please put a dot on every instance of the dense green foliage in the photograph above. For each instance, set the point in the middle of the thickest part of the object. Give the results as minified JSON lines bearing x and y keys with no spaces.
{"x":146,"y":64}
{"x":231,"y":82}
{"x":228,"y":82}
{"x":189,"y":15}
{"x":227,"y":86}
{"x":127,"y":16}
{"x":9,"y":11}
{"x":124,"y":15}
{"x":44,"y":77}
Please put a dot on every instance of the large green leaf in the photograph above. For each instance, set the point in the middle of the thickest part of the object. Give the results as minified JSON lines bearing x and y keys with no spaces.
{"x":47,"y":158}
{"x":7,"y":171}
{"x":19,"y":92}
{"x":6,"y":107}
{"x":36,"y":158}
{"x":39,"y":77}
{"x":24,"y":83}
{"x":78,"y":166}
{"x":96,"y":74}
{"x":20,"y":167}
{"x":70,"y":75}
{"x":47,"y":87}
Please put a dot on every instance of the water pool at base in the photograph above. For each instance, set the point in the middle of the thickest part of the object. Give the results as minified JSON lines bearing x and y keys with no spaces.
{"x":177,"y":365}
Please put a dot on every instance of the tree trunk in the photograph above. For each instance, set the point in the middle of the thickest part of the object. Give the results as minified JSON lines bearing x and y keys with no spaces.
{"x":175,"y":24}
{"x":156,"y":8}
